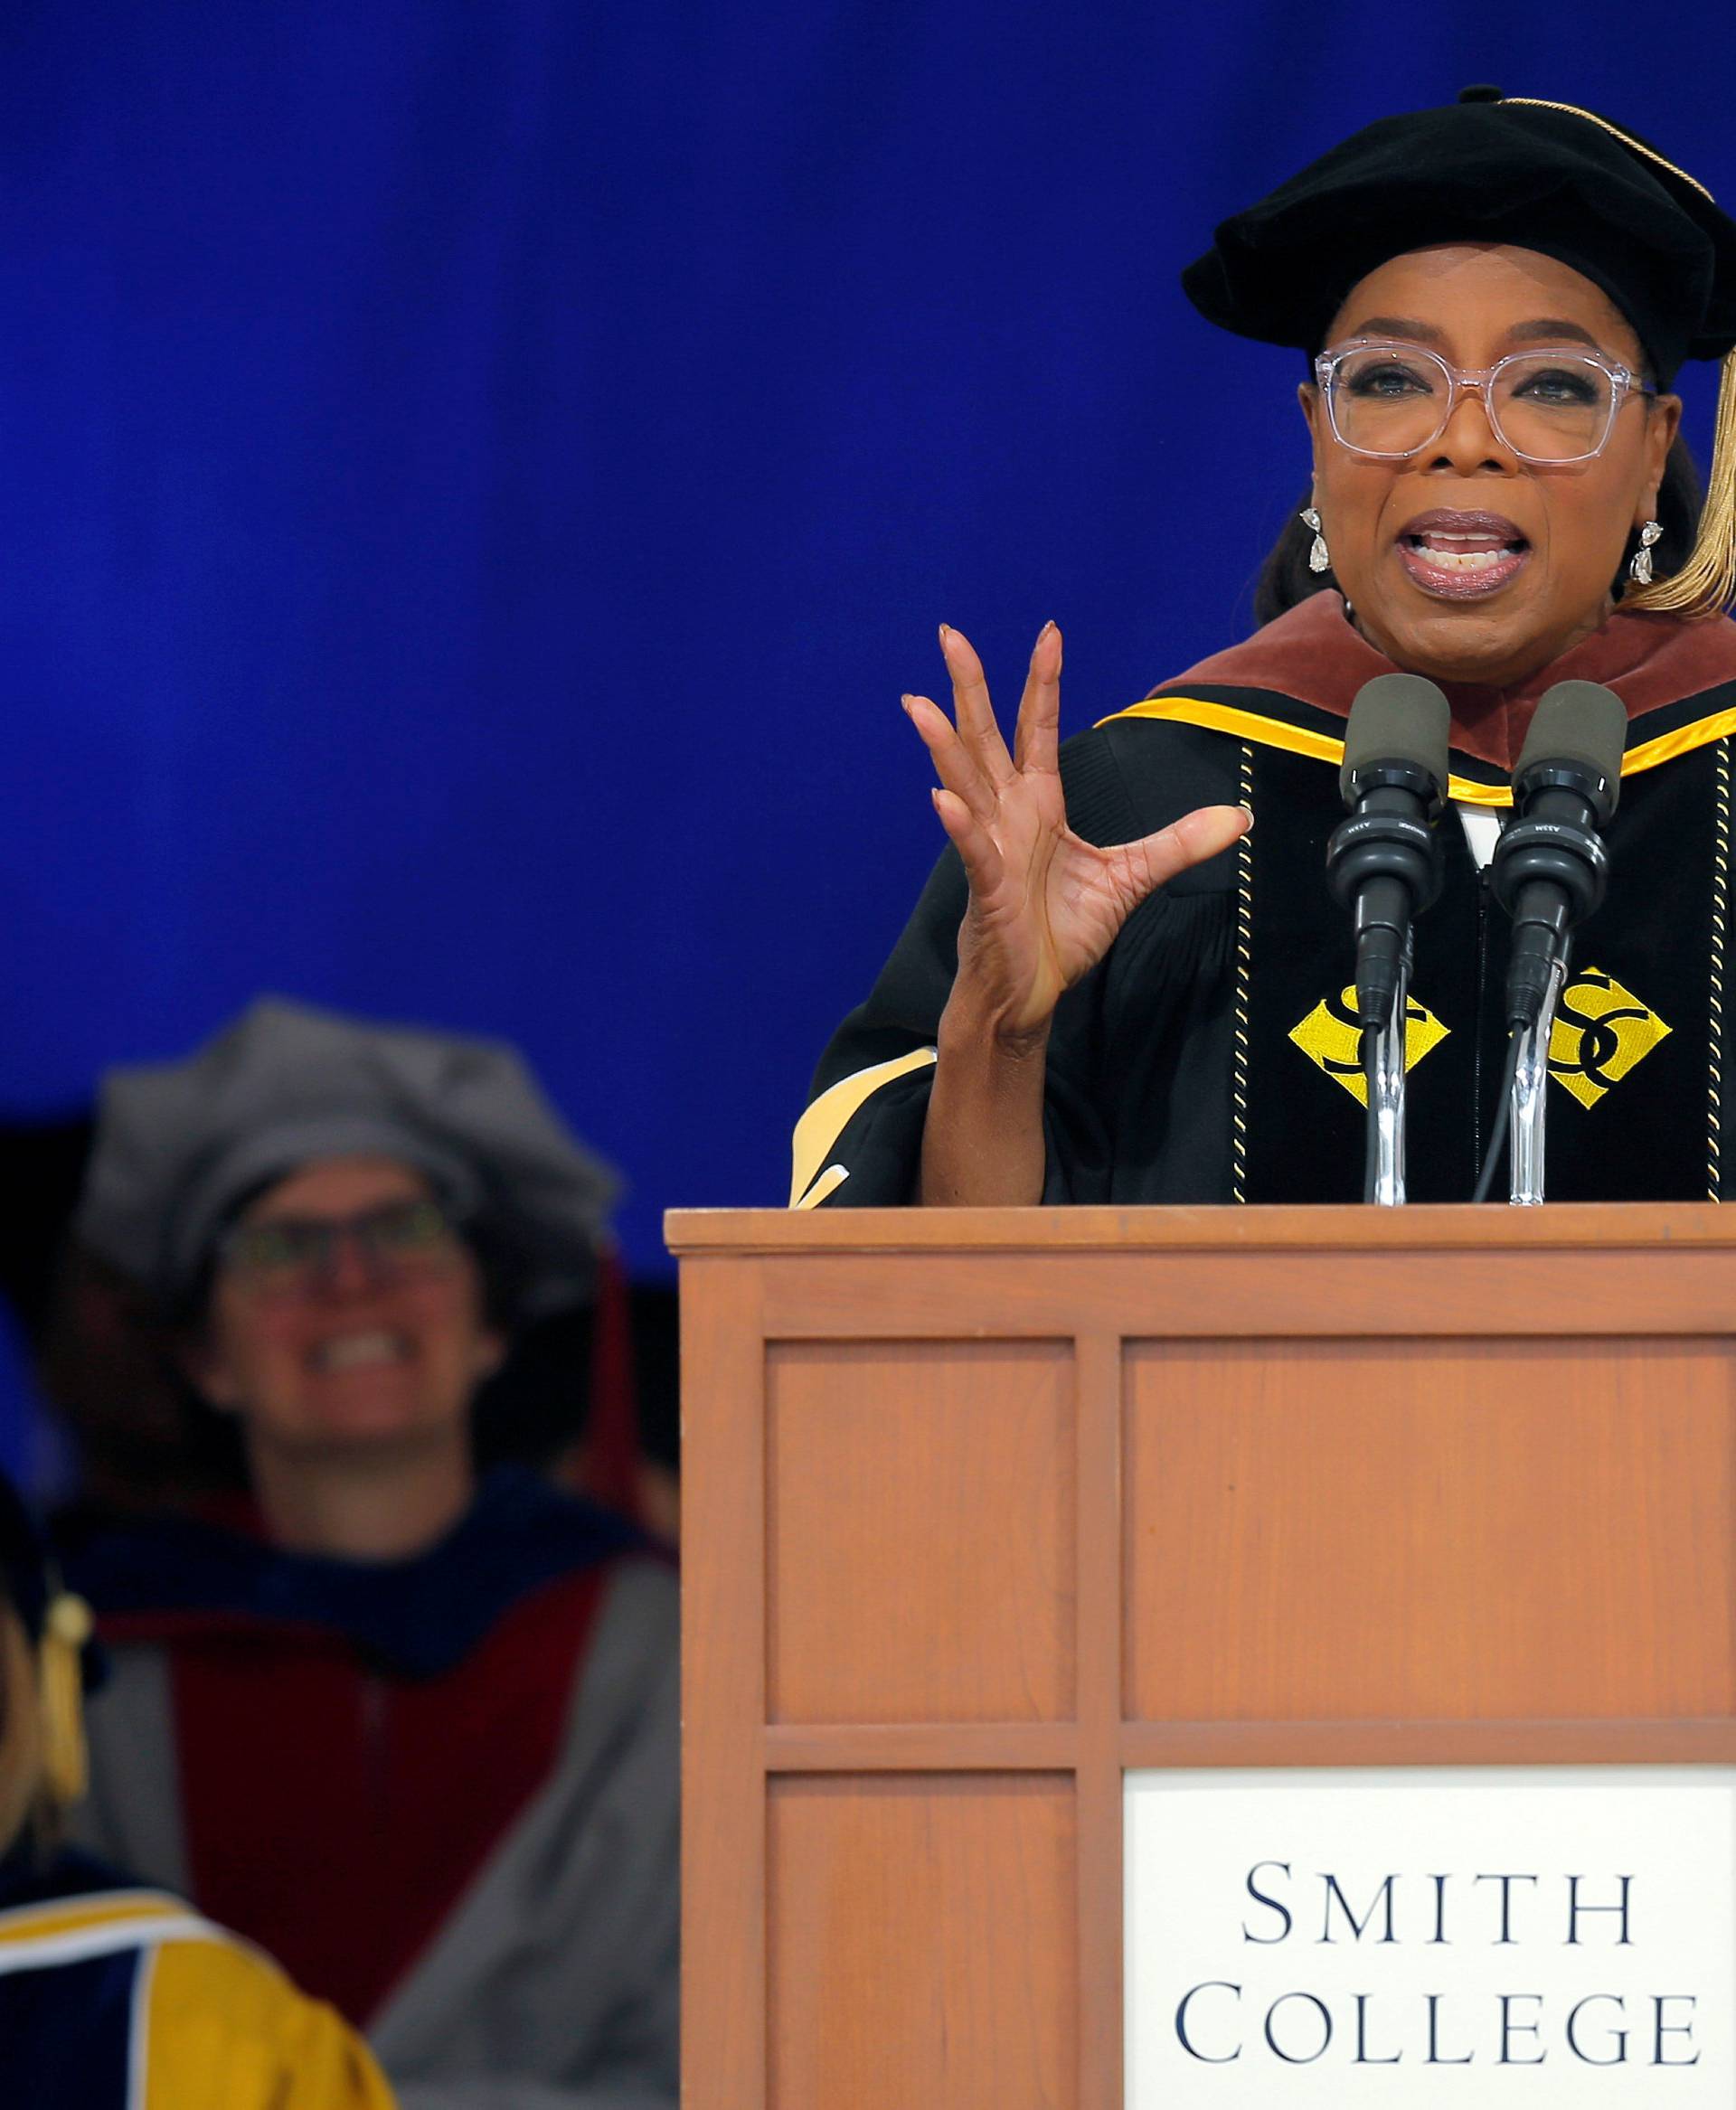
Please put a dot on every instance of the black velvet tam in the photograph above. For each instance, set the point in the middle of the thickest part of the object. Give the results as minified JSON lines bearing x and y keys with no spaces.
{"x":1486,"y":168}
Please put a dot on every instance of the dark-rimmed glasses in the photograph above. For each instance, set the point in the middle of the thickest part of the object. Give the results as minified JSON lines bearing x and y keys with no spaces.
{"x":286,"y":1255}
{"x":1388,"y":400}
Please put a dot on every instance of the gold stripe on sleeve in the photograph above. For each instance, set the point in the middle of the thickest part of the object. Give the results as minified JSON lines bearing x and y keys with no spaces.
{"x":826,"y":1185}
{"x":94,"y":1911}
{"x":831,"y":1114}
{"x":222,"y":2028}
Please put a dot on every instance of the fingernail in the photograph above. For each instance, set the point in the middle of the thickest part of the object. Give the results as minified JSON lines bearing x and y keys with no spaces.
{"x":1250,"y":812}
{"x":945,"y":632}
{"x":907,"y":700}
{"x":1044,"y":631}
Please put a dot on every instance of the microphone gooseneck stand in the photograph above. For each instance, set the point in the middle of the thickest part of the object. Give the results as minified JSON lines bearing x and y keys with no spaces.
{"x":1384,"y":864}
{"x":1383,"y":1078}
{"x":1550,"y":873}
{"x":1527,"y":1096}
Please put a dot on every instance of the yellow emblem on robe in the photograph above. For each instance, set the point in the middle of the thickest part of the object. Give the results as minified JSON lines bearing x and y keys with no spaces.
{"x":1600,"y":1032}
{"x":1332,"y":1036}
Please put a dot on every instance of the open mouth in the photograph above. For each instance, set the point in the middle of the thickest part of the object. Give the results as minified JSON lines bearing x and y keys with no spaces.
{"x":1462,"y":556}
{"x":374,"y":1350}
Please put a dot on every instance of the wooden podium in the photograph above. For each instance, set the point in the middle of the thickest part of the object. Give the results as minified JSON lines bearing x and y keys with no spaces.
{"x":982,"y":1506}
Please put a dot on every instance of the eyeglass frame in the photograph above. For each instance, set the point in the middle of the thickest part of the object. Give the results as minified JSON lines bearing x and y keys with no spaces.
{"x":338,"y":1233}
{"x":1471,"y":382}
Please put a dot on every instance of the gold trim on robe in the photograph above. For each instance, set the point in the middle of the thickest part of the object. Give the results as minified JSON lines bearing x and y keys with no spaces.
{"x":1295,"y":739}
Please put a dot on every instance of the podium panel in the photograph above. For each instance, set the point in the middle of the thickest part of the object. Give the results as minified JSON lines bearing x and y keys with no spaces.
{"x":895,"y":1477}
{"x":984,"y":1509}
{"x":1457,"y":1529}
{"x":923,"y":1940}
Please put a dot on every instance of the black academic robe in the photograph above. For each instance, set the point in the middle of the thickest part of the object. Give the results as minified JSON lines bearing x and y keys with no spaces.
{"x":1214,"y":1055}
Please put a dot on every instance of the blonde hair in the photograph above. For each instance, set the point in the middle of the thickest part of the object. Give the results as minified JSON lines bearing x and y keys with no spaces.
{"x":1705,"y":585}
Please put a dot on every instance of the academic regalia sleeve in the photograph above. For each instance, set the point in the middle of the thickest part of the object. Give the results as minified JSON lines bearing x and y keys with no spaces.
{"x":859,"y":1143}
{"x":860,"y":1139}
{"x":555,"y":1985}
{"x":225,"y":2030}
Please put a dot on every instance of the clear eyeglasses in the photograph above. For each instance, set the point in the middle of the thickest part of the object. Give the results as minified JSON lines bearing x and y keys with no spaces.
{"x":284,"y":1256}
{"x":1389,"y":400}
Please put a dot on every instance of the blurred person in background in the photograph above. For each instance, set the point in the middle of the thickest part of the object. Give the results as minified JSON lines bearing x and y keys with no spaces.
{"x":411,"y":1728}
{"x":111,"y":1993}
{"x":589,"y":1393}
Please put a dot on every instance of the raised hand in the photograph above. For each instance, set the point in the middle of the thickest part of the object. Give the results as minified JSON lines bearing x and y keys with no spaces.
{"x":1045,"y":906}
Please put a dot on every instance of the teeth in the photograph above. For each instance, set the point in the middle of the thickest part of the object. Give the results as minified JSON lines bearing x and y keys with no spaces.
{"x":1482,"y":559}
{"x":356,"y":1351}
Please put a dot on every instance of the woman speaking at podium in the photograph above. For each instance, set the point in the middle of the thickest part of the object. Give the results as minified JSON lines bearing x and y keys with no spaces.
{"x":1113,"y":988}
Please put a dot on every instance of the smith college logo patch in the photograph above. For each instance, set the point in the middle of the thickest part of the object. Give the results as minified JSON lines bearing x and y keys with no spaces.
{"x":1600,"y":1032}
{"x":1332,"y":1037}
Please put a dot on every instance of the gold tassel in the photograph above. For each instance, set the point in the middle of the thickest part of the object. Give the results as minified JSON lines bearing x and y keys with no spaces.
{"x":1706,"y":584}
{"x":65,"y":1761}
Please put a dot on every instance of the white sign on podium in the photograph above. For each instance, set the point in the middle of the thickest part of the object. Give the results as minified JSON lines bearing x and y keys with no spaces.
{"x":1558,"y":1937}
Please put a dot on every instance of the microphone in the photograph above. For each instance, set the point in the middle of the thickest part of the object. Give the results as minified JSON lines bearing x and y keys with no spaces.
{"x":1550,"y":867}
{"x":1384,"y":862}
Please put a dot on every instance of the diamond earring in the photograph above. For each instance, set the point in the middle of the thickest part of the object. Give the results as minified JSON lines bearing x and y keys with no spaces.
{"x":1640,"y":569}
{"x":1319,"y":556}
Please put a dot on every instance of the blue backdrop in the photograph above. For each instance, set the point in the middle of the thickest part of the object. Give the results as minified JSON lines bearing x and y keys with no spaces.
{"x":476,"y":479}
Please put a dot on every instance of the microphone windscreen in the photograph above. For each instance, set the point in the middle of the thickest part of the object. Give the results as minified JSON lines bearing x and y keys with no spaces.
{"x":1582,"y":722}
{"x":1396,"y":718}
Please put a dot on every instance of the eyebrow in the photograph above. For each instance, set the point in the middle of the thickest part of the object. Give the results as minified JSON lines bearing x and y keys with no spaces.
{"x":1550,"y":329}
{"x":1396,"y":326}
{"x":1553,"y":326}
